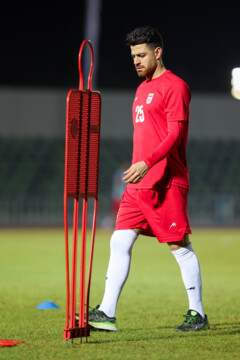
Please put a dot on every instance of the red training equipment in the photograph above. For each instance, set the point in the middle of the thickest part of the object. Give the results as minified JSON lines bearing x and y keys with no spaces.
{"x":8,"y":343}
{"x":81,"y":181}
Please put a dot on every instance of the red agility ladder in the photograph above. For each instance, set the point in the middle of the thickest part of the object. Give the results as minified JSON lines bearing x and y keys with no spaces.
{"x":81,"y":182}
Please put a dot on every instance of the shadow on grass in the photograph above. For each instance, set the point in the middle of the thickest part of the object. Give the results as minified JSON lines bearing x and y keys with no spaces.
{"x":225,"y":325}
{"x":227,"y":328}
{"x":139,"y":334}
{"x":123,"y":336}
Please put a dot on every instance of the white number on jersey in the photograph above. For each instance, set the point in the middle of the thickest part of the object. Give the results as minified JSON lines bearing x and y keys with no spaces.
{"x":139,"y":113}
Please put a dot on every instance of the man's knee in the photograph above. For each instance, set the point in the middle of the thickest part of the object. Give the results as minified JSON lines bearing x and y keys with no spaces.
{"x":123,"y":240}
{"x":179,"y":244}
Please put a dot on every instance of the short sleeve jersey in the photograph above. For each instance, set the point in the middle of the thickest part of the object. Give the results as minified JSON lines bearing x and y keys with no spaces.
{"x":156,"y":102}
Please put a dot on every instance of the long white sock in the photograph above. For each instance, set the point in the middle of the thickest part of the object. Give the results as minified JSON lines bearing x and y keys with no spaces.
{"x":118,"y":269}
{"x":191,"y":275}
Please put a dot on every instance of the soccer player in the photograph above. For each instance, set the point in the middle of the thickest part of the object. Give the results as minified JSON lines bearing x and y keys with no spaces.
{"x":155,"y":200}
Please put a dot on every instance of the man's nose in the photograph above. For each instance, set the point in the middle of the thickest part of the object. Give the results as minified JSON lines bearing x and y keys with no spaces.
{"x":136,"y":60}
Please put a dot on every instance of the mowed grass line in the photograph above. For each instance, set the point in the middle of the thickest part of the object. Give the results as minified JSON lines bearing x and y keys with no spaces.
{"x":152,"y":303}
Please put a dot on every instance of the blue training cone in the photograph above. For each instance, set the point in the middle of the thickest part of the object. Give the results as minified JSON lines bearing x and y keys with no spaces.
{"x":47,"y":305}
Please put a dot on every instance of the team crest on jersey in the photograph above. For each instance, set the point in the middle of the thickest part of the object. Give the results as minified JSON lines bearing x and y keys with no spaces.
{"x":149,"y":98}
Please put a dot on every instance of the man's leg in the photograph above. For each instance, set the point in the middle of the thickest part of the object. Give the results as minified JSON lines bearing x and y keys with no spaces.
{"x":191,"y":275}
{"x":190,"y":270}
{"x":121,"y":245}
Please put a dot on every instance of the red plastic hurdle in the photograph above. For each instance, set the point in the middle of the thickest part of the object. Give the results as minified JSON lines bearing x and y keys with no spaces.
{"x":83,"y":117}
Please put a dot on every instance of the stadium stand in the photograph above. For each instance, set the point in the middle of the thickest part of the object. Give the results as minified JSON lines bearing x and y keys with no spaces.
{"x":32,"y":177}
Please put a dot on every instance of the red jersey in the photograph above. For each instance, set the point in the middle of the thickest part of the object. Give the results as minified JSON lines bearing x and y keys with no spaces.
{"x":158,"y":101}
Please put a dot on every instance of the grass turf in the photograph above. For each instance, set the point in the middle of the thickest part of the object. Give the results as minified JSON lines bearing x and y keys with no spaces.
{"x":150,"y":307}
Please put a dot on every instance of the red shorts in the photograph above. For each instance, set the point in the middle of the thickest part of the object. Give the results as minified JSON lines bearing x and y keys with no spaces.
{"x":160,"y":214}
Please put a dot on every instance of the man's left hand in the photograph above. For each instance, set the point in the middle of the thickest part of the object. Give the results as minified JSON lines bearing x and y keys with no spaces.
{"x":135,"y":173}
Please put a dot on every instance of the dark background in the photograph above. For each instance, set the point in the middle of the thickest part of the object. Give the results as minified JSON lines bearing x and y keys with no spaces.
{"x":40,"y":42}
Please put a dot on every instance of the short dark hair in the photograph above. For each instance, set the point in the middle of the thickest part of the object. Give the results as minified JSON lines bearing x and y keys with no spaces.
{"x":144,"y":34}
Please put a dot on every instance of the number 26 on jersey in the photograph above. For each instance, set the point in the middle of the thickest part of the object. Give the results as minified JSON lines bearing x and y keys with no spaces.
{"x":139,"y":113}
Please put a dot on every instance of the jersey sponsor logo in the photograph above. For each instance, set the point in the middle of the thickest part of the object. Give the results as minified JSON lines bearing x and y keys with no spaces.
{"x":139,"y":114}
{"x":149,"y":98}
{"x":172,"y":225}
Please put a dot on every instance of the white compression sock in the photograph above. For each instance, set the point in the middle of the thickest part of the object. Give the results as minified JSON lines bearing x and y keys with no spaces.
{"x":118,"y":269}
{"x":191,"y":275}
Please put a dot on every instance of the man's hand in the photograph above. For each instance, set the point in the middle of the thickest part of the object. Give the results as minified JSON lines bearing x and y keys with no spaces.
{"x":135,"y":173}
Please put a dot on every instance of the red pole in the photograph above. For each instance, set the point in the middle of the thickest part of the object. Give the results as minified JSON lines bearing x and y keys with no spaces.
{"x":66,"y":258}
{"x":74,"y":264}
{"x":83,"y":264}
{"x":66,"y":225}
{"x":91,"y":256}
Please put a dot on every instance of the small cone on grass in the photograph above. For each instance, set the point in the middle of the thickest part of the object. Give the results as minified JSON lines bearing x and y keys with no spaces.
{"x":46,"y":305}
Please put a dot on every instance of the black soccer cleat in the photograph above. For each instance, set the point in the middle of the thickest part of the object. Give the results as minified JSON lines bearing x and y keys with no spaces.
{"x":99,"y":320}
{"x":194,"y":322}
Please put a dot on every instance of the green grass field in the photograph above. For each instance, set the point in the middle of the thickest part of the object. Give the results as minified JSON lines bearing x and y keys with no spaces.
{"x":151,"y":305}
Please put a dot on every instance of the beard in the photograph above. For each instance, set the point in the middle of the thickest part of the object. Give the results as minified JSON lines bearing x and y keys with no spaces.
{"x":141,"y":72}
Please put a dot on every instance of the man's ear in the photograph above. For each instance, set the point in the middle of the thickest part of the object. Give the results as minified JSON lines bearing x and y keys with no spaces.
{"x":158,"y":52}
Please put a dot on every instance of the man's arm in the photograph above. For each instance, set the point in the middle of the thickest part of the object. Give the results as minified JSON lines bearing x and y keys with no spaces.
{"x":138,"y":170}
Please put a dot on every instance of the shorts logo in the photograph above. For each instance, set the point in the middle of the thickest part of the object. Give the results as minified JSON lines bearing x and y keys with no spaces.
{"x":149,"y":98}
{"x":173,"y":225}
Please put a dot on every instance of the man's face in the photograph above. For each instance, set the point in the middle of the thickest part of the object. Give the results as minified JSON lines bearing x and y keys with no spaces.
{"x":145,"y":59}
